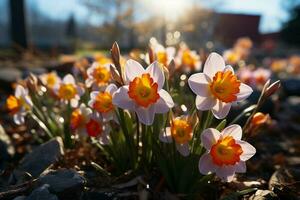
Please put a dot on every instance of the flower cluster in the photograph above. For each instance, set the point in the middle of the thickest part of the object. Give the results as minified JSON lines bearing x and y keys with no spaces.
{"x":131,"y":113}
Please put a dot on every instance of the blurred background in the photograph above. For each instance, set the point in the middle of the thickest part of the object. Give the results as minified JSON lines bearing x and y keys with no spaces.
{"x":65,"y":26}
{"x":37,"y":32}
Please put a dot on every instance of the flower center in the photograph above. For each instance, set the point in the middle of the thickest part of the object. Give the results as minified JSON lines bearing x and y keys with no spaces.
{"x":143,"y":90}
{"x":181,"y":131}
{"x":103,"y":102}
{"x":77,"y":120}
{"x":51,"y":80}
{"x":188,"y":59}
{"x":226,"y":151}
{"x":225,"y":86}
{"x":13,"y":104}
{"x":67,"y":91}
{"x":93,"y":128}
{"x":162,"y":57}
{"x":101,"y":75}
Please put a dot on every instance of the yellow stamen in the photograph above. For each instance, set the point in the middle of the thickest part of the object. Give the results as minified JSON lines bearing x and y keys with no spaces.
{"x":226,"y":151}
{"x":143,"y":90}
{"x":103,"y":102}
{"x":225,"y":86}
{"x":181,"y":131}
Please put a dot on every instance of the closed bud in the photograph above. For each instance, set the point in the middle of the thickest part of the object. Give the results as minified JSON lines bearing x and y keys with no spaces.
{"x":259,"y":119}
{"x":115,"y":75}
{"x":272,"y":89}
{"x":32,"y":83}
{"x":151,"y":55}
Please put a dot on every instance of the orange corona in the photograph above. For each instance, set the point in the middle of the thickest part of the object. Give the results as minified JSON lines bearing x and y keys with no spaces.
{"x":181,"y":131}
{"x":226,"y":151}
{"x":225,"y":86}
{"x":162,"y":57}
{"x":67,"y":91}
{"x":13,"y":104}
{"x":143,"y":90}
{"x":93,"y":128}
{"x":188,"y":59}
{"x":103,"y":102}
{"x":51,"y":80}
{"x":101,"y":75}
{"x":76,"y":119}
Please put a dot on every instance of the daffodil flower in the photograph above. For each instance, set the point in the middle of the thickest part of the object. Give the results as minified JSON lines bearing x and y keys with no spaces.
{"x":50,"y":79}
{"x":19,"y":104}
{"x":181,"y":132}
{"x":79,"y":118}
{"x":98,"y":75}
{"x":188,"y":59}
{"x":96,"y":128}
{"x":101,"y":101}
{"x":68,"y":91}
{"x":225,"y":153}
{"x":143,"y":92}
{"x":163,"y":55}
{"x":217,"y":87}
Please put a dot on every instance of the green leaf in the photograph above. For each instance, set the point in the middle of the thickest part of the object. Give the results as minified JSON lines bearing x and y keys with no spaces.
{"x":221,"y":125}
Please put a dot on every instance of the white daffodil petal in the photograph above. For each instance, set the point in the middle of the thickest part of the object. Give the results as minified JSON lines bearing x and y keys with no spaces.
{"x":133,"y":69}
{"x":206,"y":164}
{"x":245,"y":92}
{"x":199,"y":84}
{"x":122,"y":100}
{"x":18,"y":118}
{"x":74,"y":103}
{"x":111,"y":88}
{"x":205,"y":103}
{"x":248,"y":150}
{"x":209,"y":137}
{"x":157,"y":74}
{"x":183,"y":149}
{"x":229,"y":68}
{"x":20,"y":91}
{"x":164,"y":103}
{"x":166,"y":136}
{"x":226,"y":173}
{"x":213,"y":64}
{"x":69,"y":79}
{"x":94,"y":94}
{"x":221,"y":109}
{"x":234,"y":130}
{"x":107,"y":116}
{"x":240,"y":167}
{"x":146,"y":115}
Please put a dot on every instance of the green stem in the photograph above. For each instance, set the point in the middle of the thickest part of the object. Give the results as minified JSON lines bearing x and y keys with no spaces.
{"x":41,"y":124}
{"x":67,"y":129}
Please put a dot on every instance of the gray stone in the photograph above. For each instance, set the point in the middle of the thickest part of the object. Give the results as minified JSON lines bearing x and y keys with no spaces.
{"x":41,"y":193}
{"x":40,"y":158}
{"x":63,"y":181}
{"x":20,"y":198}
{"x":264,"y":195}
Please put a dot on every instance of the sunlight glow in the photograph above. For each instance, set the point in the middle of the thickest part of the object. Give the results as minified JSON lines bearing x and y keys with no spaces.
{"x":170,"y":9}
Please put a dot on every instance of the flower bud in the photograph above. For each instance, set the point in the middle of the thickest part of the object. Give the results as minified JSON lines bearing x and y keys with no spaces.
{"x":272,"y":89}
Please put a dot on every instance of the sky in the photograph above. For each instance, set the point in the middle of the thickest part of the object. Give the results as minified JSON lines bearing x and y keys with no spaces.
{"x":271,"y":11}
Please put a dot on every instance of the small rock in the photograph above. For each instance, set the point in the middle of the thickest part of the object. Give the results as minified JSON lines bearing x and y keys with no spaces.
{"x":64,"y":182}
{"x":40,"y":158}
{"x":264,"y":195}
{"x":282,"y":182}
{"x":20,"y":198}
{"x":41,"y":193}
{"x":97,"y":195}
